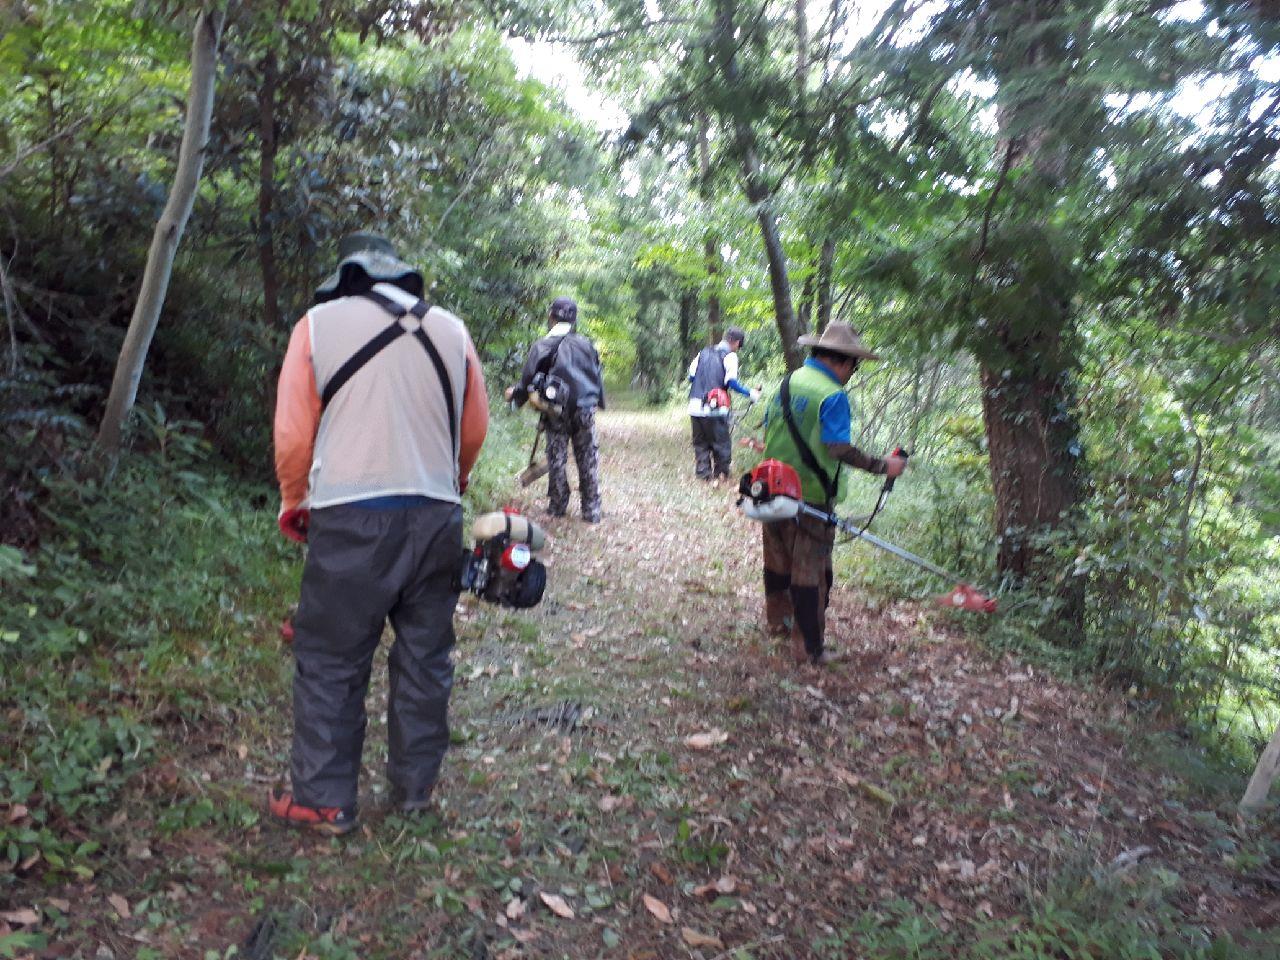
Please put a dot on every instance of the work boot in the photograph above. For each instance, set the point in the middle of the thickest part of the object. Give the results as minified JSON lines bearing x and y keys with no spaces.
{"x":777,"y":614}
{"x":798,"y":651}
{"x":331,"y":821}
{"x":407,"y":805}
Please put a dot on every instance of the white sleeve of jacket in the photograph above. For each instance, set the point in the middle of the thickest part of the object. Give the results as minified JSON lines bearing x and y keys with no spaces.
{"x":730,"y":367}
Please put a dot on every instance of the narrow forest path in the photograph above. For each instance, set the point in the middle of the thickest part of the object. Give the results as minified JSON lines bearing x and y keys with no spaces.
{"x":638,"y":772}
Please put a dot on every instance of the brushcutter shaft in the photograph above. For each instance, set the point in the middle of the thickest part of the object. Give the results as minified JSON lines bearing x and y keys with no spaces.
{"x":853,"y":530}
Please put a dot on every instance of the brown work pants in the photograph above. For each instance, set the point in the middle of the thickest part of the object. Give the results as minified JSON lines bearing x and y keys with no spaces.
{"x":797,"y":581}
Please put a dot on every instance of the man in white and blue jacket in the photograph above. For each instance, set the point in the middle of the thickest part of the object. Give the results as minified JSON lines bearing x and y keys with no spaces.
{"x":712,"y":374}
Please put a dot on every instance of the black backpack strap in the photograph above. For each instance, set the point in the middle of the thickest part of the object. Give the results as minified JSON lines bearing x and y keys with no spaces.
{"x":547,"y":364}
{"x":829,"y":484}
{"x":420,"y":310}
{"x":380,"y":341}
{"x":358,"y":360}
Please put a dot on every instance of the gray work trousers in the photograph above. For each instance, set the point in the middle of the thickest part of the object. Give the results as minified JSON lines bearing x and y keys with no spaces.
{"x":364,"y":567}
{"x":712,"y":447}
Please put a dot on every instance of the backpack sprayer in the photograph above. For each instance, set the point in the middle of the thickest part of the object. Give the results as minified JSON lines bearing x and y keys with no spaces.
{"x":501,"y":568}
{"x":771,"y":492}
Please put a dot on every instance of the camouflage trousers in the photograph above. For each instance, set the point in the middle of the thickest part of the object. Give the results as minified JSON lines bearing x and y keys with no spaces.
{"x":578,"y":429}
{"x":797,"y":581}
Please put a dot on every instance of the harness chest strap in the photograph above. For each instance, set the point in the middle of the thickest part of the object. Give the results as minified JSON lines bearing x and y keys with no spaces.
{"x":384,"y":338}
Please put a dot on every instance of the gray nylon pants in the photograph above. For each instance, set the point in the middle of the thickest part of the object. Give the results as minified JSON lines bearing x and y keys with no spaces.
{"x":712,"y":447}
{"x":363,"y":567}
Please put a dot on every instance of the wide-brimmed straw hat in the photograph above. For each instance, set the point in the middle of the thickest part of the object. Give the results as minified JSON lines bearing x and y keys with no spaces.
{"x":839,"y":338}
{"x":371,"y":254}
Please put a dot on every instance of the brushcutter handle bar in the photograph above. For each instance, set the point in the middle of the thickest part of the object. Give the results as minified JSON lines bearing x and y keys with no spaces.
{"x":902,"y":454}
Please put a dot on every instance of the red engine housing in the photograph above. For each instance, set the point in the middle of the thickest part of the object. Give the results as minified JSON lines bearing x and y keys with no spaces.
{"x":718,"y":399}
{"x":773,"y":478}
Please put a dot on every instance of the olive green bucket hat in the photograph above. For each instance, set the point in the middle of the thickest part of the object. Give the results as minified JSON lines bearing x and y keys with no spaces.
{"x":374,"y":257}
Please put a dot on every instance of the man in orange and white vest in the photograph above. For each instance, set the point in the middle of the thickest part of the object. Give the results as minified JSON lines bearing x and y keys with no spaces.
{"x":380,"y":414}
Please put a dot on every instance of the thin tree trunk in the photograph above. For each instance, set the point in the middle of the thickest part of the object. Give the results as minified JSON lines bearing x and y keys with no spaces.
{"x":267,"y":190}
{"x":758,"y":192}
{"x":826,"y":266}
{"x":802,"y":58}
{"x":804,"y":309}
{"x":1264,"y":774}
{"x":710,"y":244}
{"x":779,"y":278}
{"x":688,"y":307}
{"x":168,"y":232}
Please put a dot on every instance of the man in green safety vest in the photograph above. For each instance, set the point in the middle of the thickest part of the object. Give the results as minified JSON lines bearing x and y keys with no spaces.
{"x":808,"y":425}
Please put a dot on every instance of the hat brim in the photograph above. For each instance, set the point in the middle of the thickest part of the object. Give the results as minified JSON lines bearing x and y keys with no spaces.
{"x":861,"y":352}
{"x":376,"y":265}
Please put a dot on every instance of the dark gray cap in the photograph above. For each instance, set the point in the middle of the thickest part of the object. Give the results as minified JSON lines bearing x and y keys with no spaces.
{"x":735,"y":333}
{"x":372,"y":255}
{"x":564,"y":310}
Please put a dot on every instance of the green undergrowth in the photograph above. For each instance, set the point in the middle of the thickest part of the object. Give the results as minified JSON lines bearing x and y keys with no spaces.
{"x":1088,"y":910}
{"x":143,"y":621}
{"x":147,"y":611}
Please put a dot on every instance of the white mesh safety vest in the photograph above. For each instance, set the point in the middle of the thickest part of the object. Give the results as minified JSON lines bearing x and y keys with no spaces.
{"x":386,"y":431}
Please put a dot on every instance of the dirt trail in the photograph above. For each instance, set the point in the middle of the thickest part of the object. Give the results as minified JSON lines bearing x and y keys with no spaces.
{"x":638,"y":772}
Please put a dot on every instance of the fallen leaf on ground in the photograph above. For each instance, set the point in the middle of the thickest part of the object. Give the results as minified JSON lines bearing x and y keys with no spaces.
{"x":657,"y":908}
{"x":695,"y":939}
{"x":555,"y":903}
{"x":724,"y":885}
{"x":24,"y":917}
{"x":609,"y":803}
{"x":662,"y":873}
{"x":515,"y":909}
{"x":121,"y":905}
{"x":706,"y":740}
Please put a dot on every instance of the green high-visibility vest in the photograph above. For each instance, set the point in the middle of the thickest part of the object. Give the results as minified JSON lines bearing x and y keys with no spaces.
{"x":808,"y":389}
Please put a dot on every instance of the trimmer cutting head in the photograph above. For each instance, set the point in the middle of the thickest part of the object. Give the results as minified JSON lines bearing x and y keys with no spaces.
{"x":965,"y":597}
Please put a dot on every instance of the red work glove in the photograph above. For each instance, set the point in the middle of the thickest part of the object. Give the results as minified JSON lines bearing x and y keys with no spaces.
{"x":293,"y":523}
{"x":893,"y":466}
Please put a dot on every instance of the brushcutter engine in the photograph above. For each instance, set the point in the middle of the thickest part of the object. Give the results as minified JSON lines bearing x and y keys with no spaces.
{"x":501,"y":568}
{"x":770,"y":492}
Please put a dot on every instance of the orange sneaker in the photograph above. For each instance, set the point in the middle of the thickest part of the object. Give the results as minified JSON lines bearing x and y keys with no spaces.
{"x":333,"y":821}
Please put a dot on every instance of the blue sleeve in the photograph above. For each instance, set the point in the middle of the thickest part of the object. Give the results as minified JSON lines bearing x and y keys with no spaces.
{"x":737,"y":387}
{"x":837,"y":418}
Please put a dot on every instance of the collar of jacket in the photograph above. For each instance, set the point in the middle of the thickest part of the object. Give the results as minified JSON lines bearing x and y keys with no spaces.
{"x":560,"y":330}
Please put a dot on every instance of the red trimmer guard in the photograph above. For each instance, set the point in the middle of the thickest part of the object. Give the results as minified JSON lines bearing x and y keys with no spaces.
{"x":965,"y":597}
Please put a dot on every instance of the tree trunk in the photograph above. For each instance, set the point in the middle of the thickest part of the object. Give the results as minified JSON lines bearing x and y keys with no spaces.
{"x":826,"y":266}
{"x":267,"y":190}
{"x":1264,"y":774}
{"x":1028,"y":365}
{"x":757,"y":191}
{"x":688,"y":307}
{"x":710,"y":245}
{"x":1032,"y":450}
{"x":168,"y":232}
{"x":779,"y":279}
{"x":804,"y":309}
